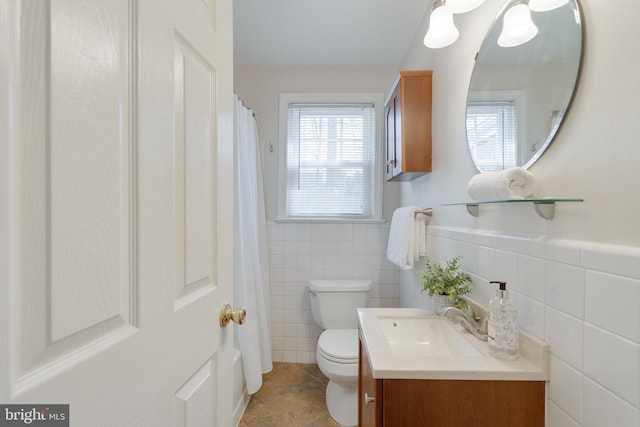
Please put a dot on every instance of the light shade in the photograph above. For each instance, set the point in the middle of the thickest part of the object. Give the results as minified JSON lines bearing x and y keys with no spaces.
{"x":517,"y":26}
{"x":442,"y":31}
{"x":544,"y":5}
{"x":462,"y":6}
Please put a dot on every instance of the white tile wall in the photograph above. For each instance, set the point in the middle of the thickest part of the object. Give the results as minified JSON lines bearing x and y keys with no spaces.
{"x":303,"y":251}
{"x":613,"y":362}
{"x":557,"y":418}
{"x":582,"y":298}
{"x":565,"y":335}
{"x":603,"y":408}
{"x":565,"y":288}
{"x":565,"y":388}
{"x":609,"y":297}
{"x":531,"y":315}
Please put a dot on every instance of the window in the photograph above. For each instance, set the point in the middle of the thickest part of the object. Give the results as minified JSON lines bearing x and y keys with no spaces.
{"x":494,"y":127}
{"x":329,"y":165}
{"x":492,"y":134}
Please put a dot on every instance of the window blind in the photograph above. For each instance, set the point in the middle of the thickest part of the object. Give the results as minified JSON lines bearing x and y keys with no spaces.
{"x":330,"y":161}
{"x":492,"y":134}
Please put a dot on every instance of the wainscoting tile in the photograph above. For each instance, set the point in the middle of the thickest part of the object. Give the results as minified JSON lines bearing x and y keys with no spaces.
{"x":486,"y":262}
{"x":612,"y":303}
{"x":559,"y":250}
{"x":531,"y":316}
{"x":565,"y":335}
{"x":565,"y":388}
{"x":557,"y":418}
{"x":616,"y":259}
{"x":506,"y":269}
{"x":518,"y":243}
{"x":566,"y":288}
{"x":613,"y":362}
{"x":531,"y":277}
{"x":603,"y":408}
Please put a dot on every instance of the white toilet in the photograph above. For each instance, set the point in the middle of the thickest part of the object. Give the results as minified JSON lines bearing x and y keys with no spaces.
{"x":333,"y":305}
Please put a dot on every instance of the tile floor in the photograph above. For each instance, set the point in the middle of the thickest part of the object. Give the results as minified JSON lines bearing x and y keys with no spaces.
{"x":292,"y":395}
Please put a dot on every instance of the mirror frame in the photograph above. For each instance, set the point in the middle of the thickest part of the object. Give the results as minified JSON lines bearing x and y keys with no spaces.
{"x":571,"y":90}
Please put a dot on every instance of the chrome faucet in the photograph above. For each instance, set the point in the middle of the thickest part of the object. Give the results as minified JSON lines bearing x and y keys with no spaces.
{"x":477,"y":326}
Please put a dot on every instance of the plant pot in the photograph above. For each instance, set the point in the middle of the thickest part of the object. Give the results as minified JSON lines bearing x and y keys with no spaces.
{"x":440,"y":302}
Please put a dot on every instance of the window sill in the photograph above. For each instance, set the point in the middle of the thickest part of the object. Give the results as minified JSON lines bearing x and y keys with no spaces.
{"x":329,"y":221}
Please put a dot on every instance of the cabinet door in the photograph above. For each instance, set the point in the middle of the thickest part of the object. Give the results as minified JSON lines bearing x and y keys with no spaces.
{"x":408,"y":120}
{"x":455,"y":403}
{"x":398,"y":165}
{"x":390,"y":141}
{"x":369,"y":394}
{"x":393,"y":116}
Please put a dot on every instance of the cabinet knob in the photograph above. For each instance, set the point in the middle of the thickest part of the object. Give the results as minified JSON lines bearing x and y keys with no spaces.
{"x":368,"y":399}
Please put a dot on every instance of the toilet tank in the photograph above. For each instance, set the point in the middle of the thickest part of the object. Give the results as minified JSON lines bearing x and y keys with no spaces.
{"x":334,"y":302}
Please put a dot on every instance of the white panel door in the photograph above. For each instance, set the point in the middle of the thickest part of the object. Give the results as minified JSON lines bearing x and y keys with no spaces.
{"x":116,"y":209}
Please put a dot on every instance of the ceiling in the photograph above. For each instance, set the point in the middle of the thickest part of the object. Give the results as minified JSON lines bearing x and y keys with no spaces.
{"x":325,"y":33}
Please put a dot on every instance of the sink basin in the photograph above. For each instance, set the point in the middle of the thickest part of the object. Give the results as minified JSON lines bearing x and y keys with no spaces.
{"x":411,"y":343}
{"x":430,"y":336}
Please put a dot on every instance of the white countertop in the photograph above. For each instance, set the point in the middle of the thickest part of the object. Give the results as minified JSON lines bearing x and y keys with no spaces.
{"x":532,"y":364}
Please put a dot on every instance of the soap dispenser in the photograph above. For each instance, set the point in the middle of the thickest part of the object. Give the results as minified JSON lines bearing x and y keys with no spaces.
{"x":503,"y":325}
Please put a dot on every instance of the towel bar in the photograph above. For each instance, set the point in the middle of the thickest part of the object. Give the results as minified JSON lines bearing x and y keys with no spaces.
{"x":427,"y":212}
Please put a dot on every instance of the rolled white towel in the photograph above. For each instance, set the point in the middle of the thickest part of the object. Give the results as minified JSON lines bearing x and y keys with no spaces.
{"x":511,"y":183}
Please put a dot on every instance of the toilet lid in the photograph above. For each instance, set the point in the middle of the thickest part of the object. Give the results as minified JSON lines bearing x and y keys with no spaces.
{"x":339,"y":345}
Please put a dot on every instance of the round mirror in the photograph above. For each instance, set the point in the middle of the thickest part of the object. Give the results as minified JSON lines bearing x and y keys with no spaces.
{"x":518,"y":95}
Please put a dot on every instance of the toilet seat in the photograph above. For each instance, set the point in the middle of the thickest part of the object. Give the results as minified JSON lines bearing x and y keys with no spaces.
{"x":339,"y":345}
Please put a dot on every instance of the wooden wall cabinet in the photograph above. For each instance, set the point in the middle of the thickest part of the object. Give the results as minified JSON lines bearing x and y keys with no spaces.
{"x":408,"y":126}
{"x":447,"y":403}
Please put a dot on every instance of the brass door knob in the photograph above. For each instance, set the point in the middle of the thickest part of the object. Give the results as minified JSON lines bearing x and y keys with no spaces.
{"x":227,"y":314}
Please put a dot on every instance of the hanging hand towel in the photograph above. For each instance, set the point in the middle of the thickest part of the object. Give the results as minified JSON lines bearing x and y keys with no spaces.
{"x":402,"y":237}
{"x":511,"y":183}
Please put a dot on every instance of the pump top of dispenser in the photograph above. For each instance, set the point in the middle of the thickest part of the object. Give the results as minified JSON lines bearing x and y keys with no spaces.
{"x":502,"y":292}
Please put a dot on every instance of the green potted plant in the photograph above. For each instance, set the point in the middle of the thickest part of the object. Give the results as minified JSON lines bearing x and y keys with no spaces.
{"x":447,"y":285}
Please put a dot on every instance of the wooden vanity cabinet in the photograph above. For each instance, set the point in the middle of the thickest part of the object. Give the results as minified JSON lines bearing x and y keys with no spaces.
{"x":447,"y":403}
{"x":408,"y":126}
{"x":369,"y":390}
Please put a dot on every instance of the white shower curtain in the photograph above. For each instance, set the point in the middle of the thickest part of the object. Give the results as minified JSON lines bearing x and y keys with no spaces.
{"x":251,"y":269}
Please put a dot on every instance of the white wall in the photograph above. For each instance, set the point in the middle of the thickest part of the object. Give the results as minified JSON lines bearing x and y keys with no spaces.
{"x":594,"y":155}
{"x":576,"y":279}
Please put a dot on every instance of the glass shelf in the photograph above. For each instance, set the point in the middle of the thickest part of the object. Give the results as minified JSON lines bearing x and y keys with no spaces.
{"x":545,"y":208}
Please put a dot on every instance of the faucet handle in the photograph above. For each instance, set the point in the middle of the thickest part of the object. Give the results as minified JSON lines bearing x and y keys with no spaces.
{"x":482,"y":322}
{"x":484,"y":325}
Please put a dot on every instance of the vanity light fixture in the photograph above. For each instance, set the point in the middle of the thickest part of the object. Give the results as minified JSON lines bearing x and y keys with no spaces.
{"x":462,"y":6}
{"x":545,"y":5}
{"x":517,"y":26}
{"x":442,"y":31}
